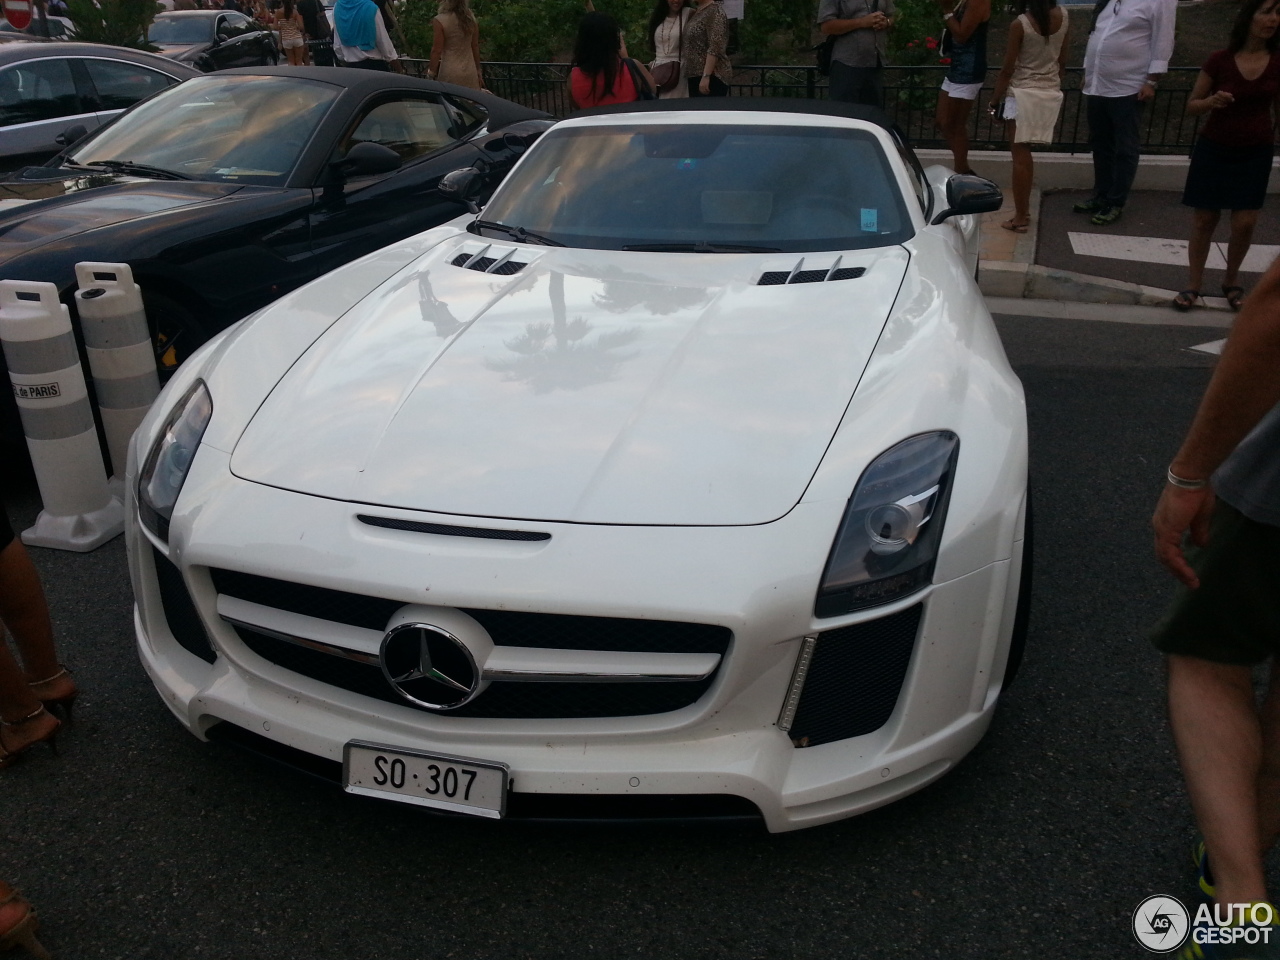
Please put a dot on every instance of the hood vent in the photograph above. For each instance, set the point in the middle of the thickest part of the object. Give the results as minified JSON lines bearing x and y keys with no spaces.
{"x":483,"y":263}
{"x":776,"y":278}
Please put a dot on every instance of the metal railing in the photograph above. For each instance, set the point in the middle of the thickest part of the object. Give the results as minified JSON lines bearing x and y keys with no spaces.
{"x":911,"y":95}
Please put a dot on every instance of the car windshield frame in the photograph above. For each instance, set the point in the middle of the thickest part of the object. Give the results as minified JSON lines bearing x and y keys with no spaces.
{"x":203,"y":23}
{"x":217,"y":128}
{"x":759,"y":186}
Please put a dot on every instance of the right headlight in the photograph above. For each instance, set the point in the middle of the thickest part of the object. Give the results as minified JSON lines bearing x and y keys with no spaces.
{"x":166,"y":466}
{"x":888,"y":539}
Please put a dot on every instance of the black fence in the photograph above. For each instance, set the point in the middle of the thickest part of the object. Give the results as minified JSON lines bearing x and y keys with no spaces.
{"x":911,"y":95}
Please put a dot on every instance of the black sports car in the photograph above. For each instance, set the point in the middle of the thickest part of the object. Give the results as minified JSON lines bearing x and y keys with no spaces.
{"x":229,"y":190}
{"x":213,"y":39}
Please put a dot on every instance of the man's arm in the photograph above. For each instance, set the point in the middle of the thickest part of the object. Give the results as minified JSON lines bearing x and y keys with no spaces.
{"x":832,"y":25}
{"x":1244,"y":387}
{"x":1163,"y":22}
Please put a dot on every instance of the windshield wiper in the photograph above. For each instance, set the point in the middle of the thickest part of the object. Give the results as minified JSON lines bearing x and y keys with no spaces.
{"x":700,"y":247}
{"x":520,"y":233}
{"x":129,"y":166}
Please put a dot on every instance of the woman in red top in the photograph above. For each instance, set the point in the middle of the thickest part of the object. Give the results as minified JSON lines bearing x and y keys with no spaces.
{"x":602,"y":71}
{"x":1240,"y":90}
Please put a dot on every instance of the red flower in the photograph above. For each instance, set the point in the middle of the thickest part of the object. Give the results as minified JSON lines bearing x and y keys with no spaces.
{"x":945,"y":61}
{"x":911,"y":43}
{"x":930,"y":43}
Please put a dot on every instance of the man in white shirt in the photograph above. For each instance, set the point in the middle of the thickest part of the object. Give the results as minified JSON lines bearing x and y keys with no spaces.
{"x":1129,"y":50}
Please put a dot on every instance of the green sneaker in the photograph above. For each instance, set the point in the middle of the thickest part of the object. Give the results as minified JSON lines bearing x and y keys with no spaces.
{"x":1092,"y":205}
{"x":1107,"y":216}
{"x":1204,"y":876}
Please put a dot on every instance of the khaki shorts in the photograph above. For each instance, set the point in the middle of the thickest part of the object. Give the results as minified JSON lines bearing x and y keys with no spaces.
{"x":1234,"y":616}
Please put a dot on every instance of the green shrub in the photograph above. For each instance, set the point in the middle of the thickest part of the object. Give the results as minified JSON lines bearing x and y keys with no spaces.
{"x":120,"y":22}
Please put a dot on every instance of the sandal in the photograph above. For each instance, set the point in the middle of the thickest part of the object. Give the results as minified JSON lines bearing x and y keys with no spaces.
{"x":1015,"y":227}
{"x":1186,"y":300}
{"x":1234,"y":295}
{"x":50,"y":735}
{"x":57,"y":693}
{"x":23,"y":932}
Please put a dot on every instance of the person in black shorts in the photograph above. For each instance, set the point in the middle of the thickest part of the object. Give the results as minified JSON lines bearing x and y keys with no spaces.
{"x":1223,"y":490}
{"x":27,"y":691}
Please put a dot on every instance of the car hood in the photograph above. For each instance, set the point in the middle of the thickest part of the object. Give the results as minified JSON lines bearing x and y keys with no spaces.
{"x":34,"y":212}
{"x":587,"y":387}
{"x":180,"y":51}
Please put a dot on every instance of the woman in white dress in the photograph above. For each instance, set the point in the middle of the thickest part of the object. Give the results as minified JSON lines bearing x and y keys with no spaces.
{"x":666,"y":27}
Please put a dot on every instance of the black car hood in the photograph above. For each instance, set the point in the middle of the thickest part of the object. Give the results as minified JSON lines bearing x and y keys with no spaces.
{"x":35,"y":212}
{"x":181,"y":51}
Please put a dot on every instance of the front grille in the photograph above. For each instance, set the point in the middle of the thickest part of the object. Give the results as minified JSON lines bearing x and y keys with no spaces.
{"x":179,"y":610}
{"x":451,"y":530}
{"x":507,"y":628}
{"x":855,"y":677}
{"x":509,"y":701}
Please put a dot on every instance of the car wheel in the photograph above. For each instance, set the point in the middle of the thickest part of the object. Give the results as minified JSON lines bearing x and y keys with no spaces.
{"x":175,"y":331}
{"x":1022,"y":614}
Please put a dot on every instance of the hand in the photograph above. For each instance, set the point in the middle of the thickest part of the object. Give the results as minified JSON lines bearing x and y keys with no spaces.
{"x":879,"y":21}
{"x":705,"y":87}
{"x":1178,"y":512}
{"x":1147,"y":92}
{"x":1220,"y":99}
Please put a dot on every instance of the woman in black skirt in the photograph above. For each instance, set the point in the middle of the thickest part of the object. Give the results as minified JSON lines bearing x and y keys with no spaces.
{"x":1231,"y":161}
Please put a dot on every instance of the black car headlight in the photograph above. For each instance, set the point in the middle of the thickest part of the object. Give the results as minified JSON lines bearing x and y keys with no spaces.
{"x":888,"y":539}
{"x":170,"y":458}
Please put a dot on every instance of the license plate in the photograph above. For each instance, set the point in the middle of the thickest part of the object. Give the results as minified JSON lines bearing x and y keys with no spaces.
{"x":478,"y":787}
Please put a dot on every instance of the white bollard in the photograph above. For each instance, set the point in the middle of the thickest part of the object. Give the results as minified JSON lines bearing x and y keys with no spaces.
{"x":44,"y":367}
{"x":121,"y":357}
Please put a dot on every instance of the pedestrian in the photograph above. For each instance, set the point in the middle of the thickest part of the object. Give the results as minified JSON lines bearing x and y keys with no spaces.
{"x":1028,"y":93}
{"x":1223,"y":490}
{"x":964,"y":42}
{"x":455,"y":46}
{"x":667,"y":25}
{"x":290,"y":26}
{"x":706,"y":51}
{"x":360,"y":36}
{"x":1129,"y":48}
{"x":1231,"y":160}
{"x":315,"y":24}
{"x":18,"y":924}
{"x":602,"y":71}
{"x":861,"y":47}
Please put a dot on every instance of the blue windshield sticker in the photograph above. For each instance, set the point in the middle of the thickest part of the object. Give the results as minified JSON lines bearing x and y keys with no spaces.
{"x":870,"y":219}
{"x":687,"y":164}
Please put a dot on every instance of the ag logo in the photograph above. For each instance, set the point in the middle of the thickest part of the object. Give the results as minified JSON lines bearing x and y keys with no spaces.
{"x":1161,"y":923}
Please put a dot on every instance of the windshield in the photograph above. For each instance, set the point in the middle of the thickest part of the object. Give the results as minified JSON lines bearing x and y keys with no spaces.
{"x":712,"y":187}
{"x":234,"y":129}
{"x":181,"y":30}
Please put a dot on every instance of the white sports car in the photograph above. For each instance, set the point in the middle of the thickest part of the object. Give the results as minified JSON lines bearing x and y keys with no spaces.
{"x":687,"y":479}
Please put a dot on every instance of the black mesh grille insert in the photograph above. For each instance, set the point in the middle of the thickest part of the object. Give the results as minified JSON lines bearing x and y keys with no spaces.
{"x":449,"y":530}
{"x":773,"y":278}
{"x":809,"y":276}
{"x":179,"y":610}
{"x":503,"y":700}
{"x":510,"y":267}
{"x":855,"y":678}
{"x":508,"y":628}
{"x":484,"y":263}
{"x":848,"y":273}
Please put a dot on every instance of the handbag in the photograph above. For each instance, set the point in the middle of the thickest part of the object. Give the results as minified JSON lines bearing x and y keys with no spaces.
{"x":666,"y":75}
{"x":642,"y":85}
{"x":823,"y":53}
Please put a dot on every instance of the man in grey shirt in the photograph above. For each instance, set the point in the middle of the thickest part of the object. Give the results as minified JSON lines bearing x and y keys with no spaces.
{"x":1224,"y":490}
{"x":862,"y":42}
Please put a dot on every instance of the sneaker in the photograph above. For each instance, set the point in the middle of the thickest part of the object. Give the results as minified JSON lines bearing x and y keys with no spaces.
{"x":1106,"y":216}
{"x":1204,"y":875}
{"x":1092,"y":205}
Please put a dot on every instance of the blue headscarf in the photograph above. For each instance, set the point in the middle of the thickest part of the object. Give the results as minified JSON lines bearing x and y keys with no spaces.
{"x":355,"y":22}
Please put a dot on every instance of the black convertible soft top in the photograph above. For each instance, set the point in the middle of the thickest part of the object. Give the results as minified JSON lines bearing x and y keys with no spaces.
{"x":826,"y":108}
{"x":501,"y":112}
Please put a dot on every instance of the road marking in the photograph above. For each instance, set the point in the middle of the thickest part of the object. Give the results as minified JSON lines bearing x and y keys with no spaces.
{"x":1171,"y":252}
{"x":1213,"y":346}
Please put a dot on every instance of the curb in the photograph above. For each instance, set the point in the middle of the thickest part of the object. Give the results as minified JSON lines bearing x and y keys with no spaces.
{"x":1031,"y":281}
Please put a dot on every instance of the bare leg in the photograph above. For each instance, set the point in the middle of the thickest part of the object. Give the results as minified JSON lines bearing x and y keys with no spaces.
{"x":1023,"y":172}
{"x":1218,"y":734}
{"x":1203,"y":223}
{"x":24,"y":611}
{"x":16,"y":699}
{"x":953,"y":120}
{"x":1242,"y":224}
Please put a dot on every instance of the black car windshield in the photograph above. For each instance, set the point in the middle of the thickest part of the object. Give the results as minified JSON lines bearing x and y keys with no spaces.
{"x":181,"y":30}
{"x":230,"y":129}
{"x":705,"y":187}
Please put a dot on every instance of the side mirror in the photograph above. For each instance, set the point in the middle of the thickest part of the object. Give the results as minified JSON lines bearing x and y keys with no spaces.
{"x":969,"y":194}
{"x":462,"y":186}
{"x":367,"y":159}
{"x":73,"y":134}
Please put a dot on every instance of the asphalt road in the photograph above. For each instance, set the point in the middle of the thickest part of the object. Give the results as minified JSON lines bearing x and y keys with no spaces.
{"x":139,"y":841}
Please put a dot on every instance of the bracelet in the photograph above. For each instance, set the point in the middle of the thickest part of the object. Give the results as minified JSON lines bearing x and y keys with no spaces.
{"x":1154,"y":83}
{"x":1184,"y":484}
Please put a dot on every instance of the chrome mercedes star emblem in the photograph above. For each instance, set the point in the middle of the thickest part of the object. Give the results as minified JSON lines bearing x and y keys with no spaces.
{"x":429,"y":666}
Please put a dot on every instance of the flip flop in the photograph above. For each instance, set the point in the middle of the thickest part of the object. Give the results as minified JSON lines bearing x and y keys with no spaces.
{"x":1185,"y":300}
{"x":1015,"y":227}
{"x":1234,"y":295}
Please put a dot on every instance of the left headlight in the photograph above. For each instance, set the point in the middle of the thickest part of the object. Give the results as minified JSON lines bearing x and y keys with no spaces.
{"x":170,"y":458}
{"x":888,"y":539}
